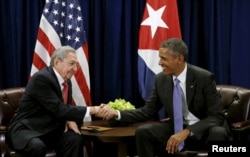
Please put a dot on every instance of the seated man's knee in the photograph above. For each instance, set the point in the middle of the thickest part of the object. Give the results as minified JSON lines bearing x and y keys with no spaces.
{"x":218,"y":133}
{"x":75,"y":139}
{"x":141,"y":130}
{"x":36,"y":146}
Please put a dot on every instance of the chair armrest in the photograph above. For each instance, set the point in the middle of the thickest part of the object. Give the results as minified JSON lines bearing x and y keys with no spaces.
{"x":241,"y":126}
{"x":240,"y":130}
{"x":4,"y":149}
{"x":3,"y":131}
{"x":3,"y":128}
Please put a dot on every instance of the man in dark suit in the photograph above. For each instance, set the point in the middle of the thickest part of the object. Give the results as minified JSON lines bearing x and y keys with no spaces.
{"x":43,"y":120}
{"x":203,"y":115}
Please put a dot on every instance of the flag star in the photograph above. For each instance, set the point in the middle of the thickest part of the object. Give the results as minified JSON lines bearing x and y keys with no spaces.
{"x":79,"y":8}
{"x":77,"y":39}
{"x":69,"y":27}
{"x":56,"y":1}
{"x":46,"y":10}
{"x":61,"y":34}
{"x":79,"y":18}
{"x":63,"y":4}
{"x":68,"y":37}
{"x":78,"y":29}
{"x":55,"y":22}
{"x":70,"y":16}
{"x":62,"y":25}
{"x":55,"y":12}
{"x":62,"y":14}
{"x":71,"y":5}
{"x":154,"y":20}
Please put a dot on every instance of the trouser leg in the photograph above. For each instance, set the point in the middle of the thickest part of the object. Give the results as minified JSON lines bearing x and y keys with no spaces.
{"x":151,"y":139}
{"x":70,"y":144}
{"x":35,"y":148}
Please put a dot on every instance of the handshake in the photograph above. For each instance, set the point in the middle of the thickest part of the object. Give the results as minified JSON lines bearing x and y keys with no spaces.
{"x":103,"y":111}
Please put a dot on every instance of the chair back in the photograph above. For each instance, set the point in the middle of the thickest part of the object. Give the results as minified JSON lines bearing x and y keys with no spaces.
{"x":9,"y":102}
{"x":236,"y":101}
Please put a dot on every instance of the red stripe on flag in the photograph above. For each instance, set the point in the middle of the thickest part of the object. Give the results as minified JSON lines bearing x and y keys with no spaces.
{"x":81,"y":81}
{"x":45,"y":41}
{"x":85,"y":49}
{"x":38,"y":62}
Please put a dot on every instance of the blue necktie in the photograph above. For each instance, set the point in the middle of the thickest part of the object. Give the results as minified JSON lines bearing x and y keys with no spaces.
{"x":177,"y":102}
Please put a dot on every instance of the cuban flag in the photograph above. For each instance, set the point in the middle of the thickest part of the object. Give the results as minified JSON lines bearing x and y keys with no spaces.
{"x":160,"y":22}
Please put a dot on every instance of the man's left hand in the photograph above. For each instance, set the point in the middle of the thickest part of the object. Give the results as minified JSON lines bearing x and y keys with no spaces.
{"x":73,"y":126}
{"x":175,"y":140}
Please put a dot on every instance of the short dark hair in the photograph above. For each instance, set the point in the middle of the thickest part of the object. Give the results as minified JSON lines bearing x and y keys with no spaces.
{"x":177,"y":45}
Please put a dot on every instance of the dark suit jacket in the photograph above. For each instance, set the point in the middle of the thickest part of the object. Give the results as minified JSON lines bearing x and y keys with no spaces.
{"x":42,"y":110}
{"x":202,"y":98}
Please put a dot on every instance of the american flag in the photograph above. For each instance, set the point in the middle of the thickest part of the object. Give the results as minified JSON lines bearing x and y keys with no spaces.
{"x":160,"y":22}
{"x":62,"y":24}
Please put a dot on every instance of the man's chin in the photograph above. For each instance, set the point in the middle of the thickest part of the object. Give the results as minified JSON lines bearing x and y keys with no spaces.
{"x":69,"y":76}
{"x":166,"y":72}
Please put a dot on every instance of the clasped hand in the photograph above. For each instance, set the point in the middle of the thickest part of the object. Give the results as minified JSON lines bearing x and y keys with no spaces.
{"x":104,"y":111}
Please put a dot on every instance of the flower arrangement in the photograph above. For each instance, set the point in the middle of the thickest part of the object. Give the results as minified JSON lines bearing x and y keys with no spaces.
{"x":121,"y":104}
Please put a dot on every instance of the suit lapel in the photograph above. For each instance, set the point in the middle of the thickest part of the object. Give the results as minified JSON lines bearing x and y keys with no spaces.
{"x":168,"y":91}
{"x":55,"y":82}
{"x":190,"y":84}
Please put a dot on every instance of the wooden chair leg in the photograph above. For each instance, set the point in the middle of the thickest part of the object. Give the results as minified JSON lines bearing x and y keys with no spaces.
{"x":89,"y":148}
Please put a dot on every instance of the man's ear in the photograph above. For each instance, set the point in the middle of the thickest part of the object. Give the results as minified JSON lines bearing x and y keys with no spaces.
{"x":56,"y":60}
{"x":181,"y":58}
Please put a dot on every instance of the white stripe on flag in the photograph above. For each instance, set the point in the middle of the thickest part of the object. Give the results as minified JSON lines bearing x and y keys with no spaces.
{"x":42,"y":53}
{"x":77,"y":94}
{"x":83,"y":64}
{"x":151,"y":59}
{"x":33,"y":70}
{"x":50,"y":32}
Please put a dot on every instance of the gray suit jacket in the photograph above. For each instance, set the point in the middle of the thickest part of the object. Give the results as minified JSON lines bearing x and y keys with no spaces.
{"x":42,"y":110}
{"x":203,"y":100}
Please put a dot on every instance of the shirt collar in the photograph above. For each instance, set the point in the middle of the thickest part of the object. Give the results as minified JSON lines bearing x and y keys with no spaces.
{"x":182,"y":76}
{"x":59,"y":77}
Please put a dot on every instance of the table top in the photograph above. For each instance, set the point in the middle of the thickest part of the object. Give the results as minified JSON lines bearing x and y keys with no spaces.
{"x":116,"y":134}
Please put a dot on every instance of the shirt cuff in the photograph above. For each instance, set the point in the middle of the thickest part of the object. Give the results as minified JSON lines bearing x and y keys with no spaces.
{"x":118,"y":115}
{"x":87,"y":115}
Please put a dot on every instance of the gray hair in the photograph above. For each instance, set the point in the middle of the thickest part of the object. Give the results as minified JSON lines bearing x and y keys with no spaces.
{"x":61,"y":53}
{"x":177,"y":46}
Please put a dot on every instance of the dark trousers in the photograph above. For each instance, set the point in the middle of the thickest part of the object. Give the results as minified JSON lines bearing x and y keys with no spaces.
{"x":68,"y":144}
{"x":151,"y":139}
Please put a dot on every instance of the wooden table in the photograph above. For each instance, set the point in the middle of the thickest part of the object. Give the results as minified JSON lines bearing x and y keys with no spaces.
{"x":121,"y":135}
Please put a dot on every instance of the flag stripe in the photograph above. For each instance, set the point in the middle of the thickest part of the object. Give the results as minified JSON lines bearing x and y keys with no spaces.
{"x":38,"y":61}
{"x":50,"y":34}
{"x":145,"y":79}
{"x":84,"y":65}
{"x":150,"y":57}
{"x":42,"y":53}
